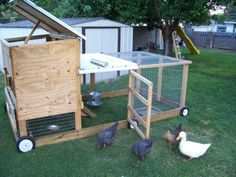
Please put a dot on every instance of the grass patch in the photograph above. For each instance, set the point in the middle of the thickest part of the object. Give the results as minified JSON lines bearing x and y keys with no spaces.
{"x":211,"y":97}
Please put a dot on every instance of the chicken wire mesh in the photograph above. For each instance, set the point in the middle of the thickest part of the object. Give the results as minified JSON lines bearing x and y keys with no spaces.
{"x":51,"y":124}
{"x":170,"y":89}
{"x":112,"y":108}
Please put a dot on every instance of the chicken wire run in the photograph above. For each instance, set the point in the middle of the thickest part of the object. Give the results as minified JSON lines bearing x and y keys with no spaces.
{"x":166,"y":74}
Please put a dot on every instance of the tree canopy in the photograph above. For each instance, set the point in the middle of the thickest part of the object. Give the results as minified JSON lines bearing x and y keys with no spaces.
{"x":164,"y":14}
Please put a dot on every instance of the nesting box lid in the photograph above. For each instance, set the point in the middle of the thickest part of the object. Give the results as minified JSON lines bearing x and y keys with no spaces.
{"x":47,"y":21}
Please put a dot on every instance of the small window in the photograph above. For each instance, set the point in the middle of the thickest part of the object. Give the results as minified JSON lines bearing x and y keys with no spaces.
{"x":221,"y":29}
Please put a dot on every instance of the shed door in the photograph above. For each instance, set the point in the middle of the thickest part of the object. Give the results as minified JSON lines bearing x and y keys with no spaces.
{"x":101,"y":40}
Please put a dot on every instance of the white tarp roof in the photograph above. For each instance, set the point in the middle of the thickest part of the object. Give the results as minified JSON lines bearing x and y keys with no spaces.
{"x":98,"y":63}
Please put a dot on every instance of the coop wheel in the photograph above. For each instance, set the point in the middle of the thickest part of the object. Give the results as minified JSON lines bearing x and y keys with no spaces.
{"x":184,"y":111}
{"x":25,"y":144}
{"x":134,"y":121}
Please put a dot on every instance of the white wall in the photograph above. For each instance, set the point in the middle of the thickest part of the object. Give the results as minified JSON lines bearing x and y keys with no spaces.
{"x":201,"y":28}
{"x":126,"y":42}
{"x":16,"y":32}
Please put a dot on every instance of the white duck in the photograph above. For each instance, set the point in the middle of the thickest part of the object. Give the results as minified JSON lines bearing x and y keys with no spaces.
{"x":189,"y":148}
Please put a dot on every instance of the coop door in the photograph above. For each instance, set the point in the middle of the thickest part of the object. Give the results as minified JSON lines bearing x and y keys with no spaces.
{"x":140,"y":104}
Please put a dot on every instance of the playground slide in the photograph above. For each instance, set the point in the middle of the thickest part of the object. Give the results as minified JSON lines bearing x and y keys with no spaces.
{"x":187,"y":41}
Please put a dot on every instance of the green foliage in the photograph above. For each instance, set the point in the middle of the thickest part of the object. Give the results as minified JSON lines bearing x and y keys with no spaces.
{"x":220,"y":18}
{"x":7,"y":14}
{"x":83,"y":8}
{"x":231,"y":12}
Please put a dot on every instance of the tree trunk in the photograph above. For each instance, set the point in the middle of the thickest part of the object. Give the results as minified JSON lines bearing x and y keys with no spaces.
{"x":168,"y":41}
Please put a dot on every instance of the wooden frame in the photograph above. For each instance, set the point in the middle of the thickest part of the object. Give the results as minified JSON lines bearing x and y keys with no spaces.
{"x":147,"y":102}
{"x":19,"y":125}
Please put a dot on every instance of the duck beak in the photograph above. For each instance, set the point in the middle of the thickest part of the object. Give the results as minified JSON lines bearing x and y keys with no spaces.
{"x":178,"y":138}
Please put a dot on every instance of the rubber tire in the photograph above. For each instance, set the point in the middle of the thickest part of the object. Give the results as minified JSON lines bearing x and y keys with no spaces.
{"x":183,"y":110}
{"x":21,"y":139}
{"x":130,"y":126}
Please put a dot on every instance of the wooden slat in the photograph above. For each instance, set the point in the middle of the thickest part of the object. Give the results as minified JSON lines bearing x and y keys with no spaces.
{"x":45,"y":78}
{"x":143,"y":79}
{"x":110,"y":94}
{"x":6,"y":58}
{"x":17,"y":39}
{"x":139,"y":96}
{"x":138,"y":116}
{"x":137,"y":129}
{"x":149,"y":109}
{"x":159,"y":83}
{"x":85,"y":132}
{"x":79,"y":103}
{"x":89,"y":112}
{"x":165,"y":115}
{"x":31,"y":33}
{"x":184,"y":85}
{"x":130,"y":102}
{"x":11,"y":113}
{"x":169,"y":102}
{"x":182,"y":62}
{"x":13,"y":98}
{"x":92,"y":82}
{"x":22,"y":128}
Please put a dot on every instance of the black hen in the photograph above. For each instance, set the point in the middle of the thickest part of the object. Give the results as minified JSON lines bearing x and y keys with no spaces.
{"x":107,"y":136}
{"x":142,"y":148}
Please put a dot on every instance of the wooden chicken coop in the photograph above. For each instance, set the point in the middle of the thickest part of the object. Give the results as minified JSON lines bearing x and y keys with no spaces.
{"x":45,"y":97}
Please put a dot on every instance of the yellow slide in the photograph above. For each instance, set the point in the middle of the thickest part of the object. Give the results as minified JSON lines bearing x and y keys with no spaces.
{"x":187,"y":41}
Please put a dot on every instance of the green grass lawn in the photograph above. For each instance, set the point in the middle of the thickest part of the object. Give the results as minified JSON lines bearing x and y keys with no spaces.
{"x":211,"y":98}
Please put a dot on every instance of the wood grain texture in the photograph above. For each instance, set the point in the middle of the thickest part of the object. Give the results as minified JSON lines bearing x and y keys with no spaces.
{"x":45,"y":78}
{"x":184,"y":85}
{"x":85,"y":132}
{"x":6,"y":57}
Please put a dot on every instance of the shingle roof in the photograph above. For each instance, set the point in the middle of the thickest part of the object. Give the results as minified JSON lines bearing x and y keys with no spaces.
{"x":69,"y":21}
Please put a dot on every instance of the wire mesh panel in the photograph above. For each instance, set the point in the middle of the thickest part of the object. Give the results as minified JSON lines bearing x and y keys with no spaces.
{"x":108,"y":81}
{"x":167,"y":84}
{"x":51,"y":124}
{"x":172,"y":84}
{"x":114,"y":90}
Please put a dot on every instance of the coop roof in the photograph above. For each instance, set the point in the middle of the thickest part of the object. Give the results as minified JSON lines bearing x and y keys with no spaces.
{"x":68,"y":21}
{"x":146,"y":59}
{"x":48,"y":22}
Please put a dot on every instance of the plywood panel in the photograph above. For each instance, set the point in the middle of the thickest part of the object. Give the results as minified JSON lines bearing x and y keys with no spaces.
{"x":45,"y":78}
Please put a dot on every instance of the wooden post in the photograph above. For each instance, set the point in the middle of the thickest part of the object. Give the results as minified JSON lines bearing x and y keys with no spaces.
{"x":184,"y":85}
{"x":78,"y":124}
{"x":31,"y":33}
{"x":22,"y":128}
{"x":130,"y":103}
{"x":92,"y":82}
{"x":149,"y":110}
{"x":159,"y":83}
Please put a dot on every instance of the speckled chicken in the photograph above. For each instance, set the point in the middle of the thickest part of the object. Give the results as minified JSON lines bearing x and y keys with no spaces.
{"x":142,"y":148}
{"x":171,"y":136}
{"x":107,"y":136}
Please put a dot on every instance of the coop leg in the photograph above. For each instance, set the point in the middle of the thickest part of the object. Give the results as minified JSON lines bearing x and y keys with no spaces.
{"x":184,"y":85}
{"x":92,"y":82}
{"x":22,"y":128}
{"x":159,"y":83}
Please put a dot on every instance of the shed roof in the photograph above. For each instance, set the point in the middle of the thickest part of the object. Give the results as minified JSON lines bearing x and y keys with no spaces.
{"x":43,"y":18}
{"x":68,"y":21}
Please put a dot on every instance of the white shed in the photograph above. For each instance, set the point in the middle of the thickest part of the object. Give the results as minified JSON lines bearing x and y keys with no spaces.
{"x":103,"y":35}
